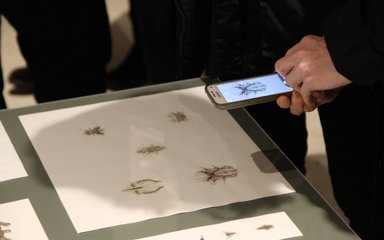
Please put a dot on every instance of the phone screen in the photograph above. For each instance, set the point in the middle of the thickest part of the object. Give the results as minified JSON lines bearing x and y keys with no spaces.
{"x":253,"y":87}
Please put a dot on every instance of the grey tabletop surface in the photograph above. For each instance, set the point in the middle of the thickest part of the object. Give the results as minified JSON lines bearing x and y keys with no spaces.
{"x":306,"y":208}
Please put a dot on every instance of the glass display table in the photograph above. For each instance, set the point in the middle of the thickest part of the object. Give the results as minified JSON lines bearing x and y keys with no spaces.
{"x":310,"y":213}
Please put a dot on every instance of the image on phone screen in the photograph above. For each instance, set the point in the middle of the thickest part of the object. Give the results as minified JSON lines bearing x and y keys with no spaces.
{"x":249,"y":88}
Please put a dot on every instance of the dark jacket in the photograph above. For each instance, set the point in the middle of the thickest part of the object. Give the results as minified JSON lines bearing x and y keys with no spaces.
{"x":354,"y":34}
{"x":353,"y":123}
{"x":355,"y":37}
{"x":228,"y":39}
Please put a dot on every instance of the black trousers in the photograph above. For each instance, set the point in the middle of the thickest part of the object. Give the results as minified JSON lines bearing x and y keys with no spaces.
{"x":66,"y":45}
{"x":352,"y":127}
{"x":2,"y":101}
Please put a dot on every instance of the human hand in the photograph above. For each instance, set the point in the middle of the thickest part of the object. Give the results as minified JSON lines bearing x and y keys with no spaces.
{"x":308,"y":68}
{"x":296,"y":103}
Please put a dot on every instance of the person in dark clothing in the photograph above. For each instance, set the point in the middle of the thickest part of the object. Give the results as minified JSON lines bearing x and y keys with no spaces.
{"x":229,"y":40}
{"x":340,"y":74}
{"x":66,"y":45}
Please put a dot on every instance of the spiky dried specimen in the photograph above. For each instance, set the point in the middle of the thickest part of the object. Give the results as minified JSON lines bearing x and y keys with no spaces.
{"x":251,"y":88}
{"x":178,"y":117}
{"x":214,"y":173}
{"x":265,"y":227}
{"x":150,"y":149}
{"x":94,"y":131}
{"x":4,"y":231}
{"x":144,"y":186}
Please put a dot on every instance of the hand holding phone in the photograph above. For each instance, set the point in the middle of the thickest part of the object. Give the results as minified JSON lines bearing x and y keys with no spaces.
{"x":248,"y":91}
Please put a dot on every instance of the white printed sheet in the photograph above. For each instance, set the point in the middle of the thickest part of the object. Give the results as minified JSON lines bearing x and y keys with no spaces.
{"x":10,"y":164}
{"x":146,"y":157}
{"x":18,"y":221}
{"x":272,"y":226}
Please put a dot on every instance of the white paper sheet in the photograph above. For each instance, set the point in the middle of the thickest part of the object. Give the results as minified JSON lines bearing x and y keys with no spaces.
{"x":10,"y":164}
{"x":92,"y":153}
{"x":18,"y":221}
{"x":272,"y":226}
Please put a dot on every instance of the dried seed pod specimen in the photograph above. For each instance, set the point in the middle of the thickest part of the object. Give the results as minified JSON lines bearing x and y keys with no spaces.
{"x":94,"y":131}
{"x":150,"y":149}
{"x":214,"y":173}
{"x":178,"y":117}
{"x":229,"y":234}
{"x":265,"y":227}
{"x":144,"y":186}
{"x":4,"y":231}
{"x":251,"y":88}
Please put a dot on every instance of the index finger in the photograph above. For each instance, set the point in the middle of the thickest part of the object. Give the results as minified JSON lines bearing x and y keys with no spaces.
{"x":284,"y":66}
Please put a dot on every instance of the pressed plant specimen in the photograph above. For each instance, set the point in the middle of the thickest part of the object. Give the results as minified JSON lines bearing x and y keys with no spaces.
{"x":229,"y":234}
{"x":94,"y":131}
{"x":215,"y":173}
{"x":265,"y":227}
{"x":178,"y":117}
{"x":150,"y":149}
{"x":4,"y":231}
{"x":144,"y":186}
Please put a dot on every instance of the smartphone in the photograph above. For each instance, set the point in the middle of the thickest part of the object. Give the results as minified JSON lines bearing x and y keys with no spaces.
{"x":248,"y":91}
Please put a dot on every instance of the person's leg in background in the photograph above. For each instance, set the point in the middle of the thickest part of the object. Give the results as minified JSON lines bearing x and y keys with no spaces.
{"x":148,"y":61}
{"x":2,"y":101}
{"x":153,"y":27}
{"x":66,"y":45}
{"x":351,"y":150}
{"x":22,"y":82}
{"x":130,"y":73}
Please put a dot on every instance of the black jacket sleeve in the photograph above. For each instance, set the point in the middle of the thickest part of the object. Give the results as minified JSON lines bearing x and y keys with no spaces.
{"x":354,"y":34}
